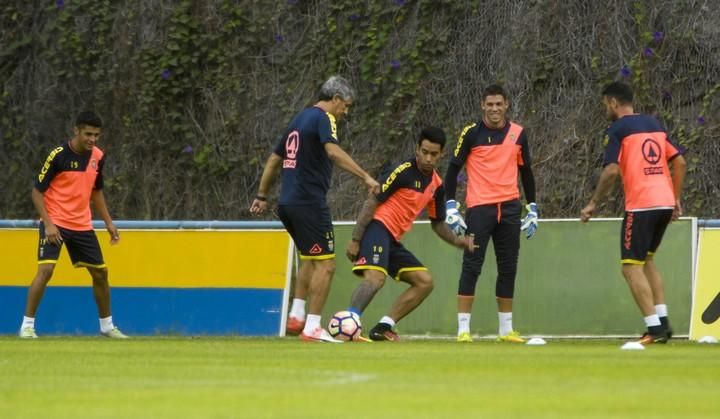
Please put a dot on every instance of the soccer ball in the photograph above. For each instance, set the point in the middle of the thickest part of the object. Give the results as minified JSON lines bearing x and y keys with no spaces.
{"x":345,"y":325}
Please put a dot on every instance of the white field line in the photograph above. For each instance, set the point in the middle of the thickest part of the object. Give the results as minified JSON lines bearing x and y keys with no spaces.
{"x":342,"y":378}
{"x":558,"y":337}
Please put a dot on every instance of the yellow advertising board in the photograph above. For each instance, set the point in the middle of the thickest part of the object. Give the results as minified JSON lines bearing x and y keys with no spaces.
{"x":162,"y":258}
{"x":219,"y":282}
{"x":705,"y":318}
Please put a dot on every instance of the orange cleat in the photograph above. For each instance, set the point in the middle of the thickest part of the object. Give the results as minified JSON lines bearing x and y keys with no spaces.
{"x":294,"y":326}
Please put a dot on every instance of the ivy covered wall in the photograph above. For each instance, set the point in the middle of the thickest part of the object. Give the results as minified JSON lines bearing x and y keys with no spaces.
{"x":194,"y":94}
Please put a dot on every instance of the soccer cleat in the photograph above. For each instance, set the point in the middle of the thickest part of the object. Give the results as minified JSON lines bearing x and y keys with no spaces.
{"x":318,"y":335}
{"x":27,"y":333}
{"x":383,"y":331}
{"x":294,"y":326}
{"x":361,"y":339}
{"x":115,"y":333}
{"x":647,"y":339}
{"x":665,"y":323}
{"x":464,"y":337}
{"x":512,"y":337}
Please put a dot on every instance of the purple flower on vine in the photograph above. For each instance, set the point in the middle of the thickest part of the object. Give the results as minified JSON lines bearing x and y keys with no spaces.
{"x":292,"y":2}
{"x":60,"y":3}
{"x":165,"y":74}
{"x":648,"y":52}
{"x":667,"y":96}
{"x":399,"y":2}
{"x":395,"y":64}
{"x":187,"y":149}
{"x":625,"y":71}
{"x":658,"y":36}
{"x":279,"y":39}
{"x":700,"y":120}
{"x":353,"y":18}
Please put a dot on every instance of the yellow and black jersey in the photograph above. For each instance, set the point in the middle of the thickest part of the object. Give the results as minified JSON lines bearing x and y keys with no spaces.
{"x":67,"y":180}
{"x":492,"y":158}
{"x":405,"y":192}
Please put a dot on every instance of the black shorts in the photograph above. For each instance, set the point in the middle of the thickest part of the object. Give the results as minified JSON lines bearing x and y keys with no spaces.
{"x":311,"y":229}
{"x":641,"y":234}
{"x":501,"y":222}
{"x":380,"y":251}
{"x":82,"y":246}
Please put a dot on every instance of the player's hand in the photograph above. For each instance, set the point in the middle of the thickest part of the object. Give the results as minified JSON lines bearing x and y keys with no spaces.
{"x":114,"y":234}
{"x":52,"y":234}
{"x":258,"y":206}
{"x":353,"y":248}
{"x":587,"y":212}
{"x":677,"y":211}
{"x":454,"y":219}
{"x":372,"y":185}
{"x":530,"y":223}
{"x":466,"y":242}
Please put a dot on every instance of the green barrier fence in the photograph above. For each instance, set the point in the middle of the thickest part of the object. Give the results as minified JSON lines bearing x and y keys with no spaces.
{"x":569,"y":282}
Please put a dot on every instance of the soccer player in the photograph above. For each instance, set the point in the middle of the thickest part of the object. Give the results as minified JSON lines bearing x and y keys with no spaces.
{"x":306,"y":153}
{"x":652,"y":169}
{"x":69,"y":180}
{"x":375,"y":247}
{"x":493,"y":150}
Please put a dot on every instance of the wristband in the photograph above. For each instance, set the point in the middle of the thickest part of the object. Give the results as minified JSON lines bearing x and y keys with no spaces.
{"x":261,"y":198}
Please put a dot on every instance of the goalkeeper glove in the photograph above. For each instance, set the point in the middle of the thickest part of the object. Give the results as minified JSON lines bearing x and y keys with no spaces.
{"x":453,"y":218}
{"x":530,"y":223}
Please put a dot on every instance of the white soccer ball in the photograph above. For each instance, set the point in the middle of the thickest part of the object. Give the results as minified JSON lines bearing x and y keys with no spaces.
{"x":345,"y":325}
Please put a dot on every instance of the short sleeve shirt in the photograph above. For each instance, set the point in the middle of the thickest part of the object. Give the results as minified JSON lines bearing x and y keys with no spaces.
{"x":67,"y":180}
{"x":405,"y":192}
{"x":641,"y":147}
{"x":306,"y":167}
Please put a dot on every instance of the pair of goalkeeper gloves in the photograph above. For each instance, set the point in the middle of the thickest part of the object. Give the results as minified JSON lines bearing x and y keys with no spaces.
{"x":458,"y":226}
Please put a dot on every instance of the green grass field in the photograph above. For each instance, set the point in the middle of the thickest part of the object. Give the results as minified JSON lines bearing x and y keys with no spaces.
{"x":78,"y":377}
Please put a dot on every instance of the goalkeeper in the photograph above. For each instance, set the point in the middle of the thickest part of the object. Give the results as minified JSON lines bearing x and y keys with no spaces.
{"x":493,"y":150}
{"x":375,"y":247}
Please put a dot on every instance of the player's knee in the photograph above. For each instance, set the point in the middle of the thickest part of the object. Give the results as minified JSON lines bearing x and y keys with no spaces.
{"x":630,"y":270}
{"x":426,"y":282}
{"x":375,"y":278}
{"x":326,"y":267}
{"x":471,"y":271}
{"x":99,"y":275}
{"x":45,"y":272}
{"x":422,"y":280}
{"x":507,"y":266}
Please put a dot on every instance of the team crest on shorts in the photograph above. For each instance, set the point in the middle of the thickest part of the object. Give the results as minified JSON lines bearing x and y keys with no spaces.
{"x":331,"y":245}
{"x":376,"y":258}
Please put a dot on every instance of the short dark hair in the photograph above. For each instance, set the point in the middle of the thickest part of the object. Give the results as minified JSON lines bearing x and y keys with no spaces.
{"x":619,"y":91}
{"x":434,"y":135}
{"x":88,"y":118}
{"x":492,"y":90}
